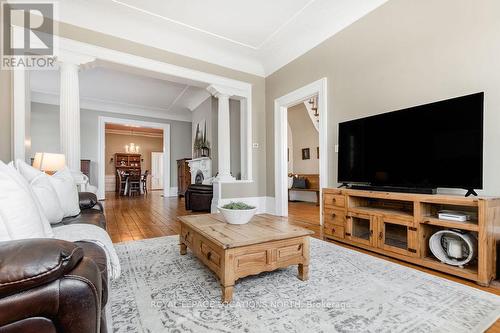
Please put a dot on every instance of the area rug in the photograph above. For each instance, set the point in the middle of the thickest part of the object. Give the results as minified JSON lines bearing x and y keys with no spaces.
{"x":347,"y":291}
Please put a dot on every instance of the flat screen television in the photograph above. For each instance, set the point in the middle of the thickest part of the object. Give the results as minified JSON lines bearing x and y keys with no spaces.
{"x":423,"y":147}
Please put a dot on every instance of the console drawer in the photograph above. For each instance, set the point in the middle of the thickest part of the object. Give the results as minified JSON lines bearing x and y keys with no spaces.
{"x":336,"y":200}
{"x":333,"y":230}
{"x":334,"y":216}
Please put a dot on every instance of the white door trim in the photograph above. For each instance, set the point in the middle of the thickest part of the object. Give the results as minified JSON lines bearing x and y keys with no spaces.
{"x":101,"y":145}
{"x":280,"y":139}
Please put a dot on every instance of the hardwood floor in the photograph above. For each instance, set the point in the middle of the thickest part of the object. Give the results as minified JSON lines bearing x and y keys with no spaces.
{"x":305,"y":214}
{"x":154,"y":216}
{"x":141,"y":217}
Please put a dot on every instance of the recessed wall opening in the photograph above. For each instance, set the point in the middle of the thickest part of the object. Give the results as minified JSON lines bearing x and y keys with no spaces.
{"x":303,"y":160}
{"x":134,"y":160}
{"x":309,"y":154}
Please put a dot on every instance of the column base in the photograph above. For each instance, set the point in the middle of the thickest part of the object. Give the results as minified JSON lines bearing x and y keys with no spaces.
{"x":224,"y":178}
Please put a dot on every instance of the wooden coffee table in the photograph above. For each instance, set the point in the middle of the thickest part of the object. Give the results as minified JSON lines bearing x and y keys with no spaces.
{"x":231,"y":251}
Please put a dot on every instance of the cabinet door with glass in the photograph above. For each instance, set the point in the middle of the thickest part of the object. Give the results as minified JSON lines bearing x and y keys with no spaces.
{"x":397,"y":236}
{"x":360,"y":229}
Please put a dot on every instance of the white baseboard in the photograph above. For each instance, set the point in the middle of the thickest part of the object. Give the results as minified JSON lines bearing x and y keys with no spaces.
{"x":110,"y":181}
{"x":303,"y":196}
{"x":173,"y":191}
{"x":270,"y":205}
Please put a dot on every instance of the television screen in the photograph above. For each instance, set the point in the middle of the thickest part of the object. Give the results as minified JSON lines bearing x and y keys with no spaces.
{"x":428,"y":146}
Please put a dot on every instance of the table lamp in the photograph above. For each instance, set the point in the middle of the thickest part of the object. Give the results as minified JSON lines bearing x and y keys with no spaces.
{"x":49,"y":163}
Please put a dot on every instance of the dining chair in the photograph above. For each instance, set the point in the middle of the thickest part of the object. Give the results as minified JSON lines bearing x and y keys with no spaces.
{"x":144,"y":181}
{"x":122,"y":183}
{"x":134,"y":184}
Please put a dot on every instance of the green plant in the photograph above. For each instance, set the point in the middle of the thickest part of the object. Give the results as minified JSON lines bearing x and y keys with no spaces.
{"x":237,"y":206}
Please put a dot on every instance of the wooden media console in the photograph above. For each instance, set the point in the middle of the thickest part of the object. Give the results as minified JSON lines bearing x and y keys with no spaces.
{"x":399,"y":225}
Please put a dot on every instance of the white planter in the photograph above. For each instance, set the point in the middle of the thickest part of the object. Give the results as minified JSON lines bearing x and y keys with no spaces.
{"x":237,"y":216}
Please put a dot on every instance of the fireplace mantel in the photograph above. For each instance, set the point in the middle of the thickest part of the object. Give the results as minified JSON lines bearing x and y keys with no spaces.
{"x":201,"y":165}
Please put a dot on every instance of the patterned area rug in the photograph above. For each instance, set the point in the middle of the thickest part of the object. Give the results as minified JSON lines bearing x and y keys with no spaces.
{"x":347,"y":291}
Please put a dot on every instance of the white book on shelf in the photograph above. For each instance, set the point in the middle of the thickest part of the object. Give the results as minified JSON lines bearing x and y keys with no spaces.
{"x":453,"y":216}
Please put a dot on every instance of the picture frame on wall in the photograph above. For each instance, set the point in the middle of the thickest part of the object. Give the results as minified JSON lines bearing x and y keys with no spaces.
{"x":306,"y":154}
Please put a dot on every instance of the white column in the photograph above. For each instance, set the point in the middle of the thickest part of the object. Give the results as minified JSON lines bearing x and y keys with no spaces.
{"x":69,"y":121}
{"x":21,"y":105}
{"x":224,"y":139}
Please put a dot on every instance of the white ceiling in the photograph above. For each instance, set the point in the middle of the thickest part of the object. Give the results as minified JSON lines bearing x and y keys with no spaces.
{"x":254,"y":36}
{"x":111,"y":90}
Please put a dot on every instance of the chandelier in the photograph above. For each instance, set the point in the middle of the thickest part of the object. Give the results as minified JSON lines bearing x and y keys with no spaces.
{"x":132,"y":148}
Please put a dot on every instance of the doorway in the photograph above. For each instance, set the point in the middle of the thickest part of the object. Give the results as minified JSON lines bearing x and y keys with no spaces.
{"x":316,"y":89}
{"x":109,"y":157}
{"x":303,"y":161}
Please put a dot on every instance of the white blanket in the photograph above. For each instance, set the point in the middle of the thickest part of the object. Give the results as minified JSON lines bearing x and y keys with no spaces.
{"x":94,"y":234}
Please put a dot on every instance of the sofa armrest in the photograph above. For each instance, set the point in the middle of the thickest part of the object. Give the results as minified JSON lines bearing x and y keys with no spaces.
{"x":28,"y":263}
{"x":88,"y":200}
{"x":71,"y":303}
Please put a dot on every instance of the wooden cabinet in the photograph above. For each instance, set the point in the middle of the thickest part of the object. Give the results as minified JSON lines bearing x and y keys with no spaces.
{"x":399,"y":225}
{"x":360,"y":229}
{"x":183,"y":176}
{"x":128,"y":163}
{"x":397,"y":236}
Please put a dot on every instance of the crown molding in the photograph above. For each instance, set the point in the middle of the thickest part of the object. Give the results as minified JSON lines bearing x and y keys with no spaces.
{"x":176,"y":99}
{"x":197,"y":99}
{"x":132,"y":133}
{"x":46,"y":97}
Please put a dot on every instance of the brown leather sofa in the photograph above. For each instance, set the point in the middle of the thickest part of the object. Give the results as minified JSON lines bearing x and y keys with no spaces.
{"x":50,"y":285}
{"x":198,"y":197}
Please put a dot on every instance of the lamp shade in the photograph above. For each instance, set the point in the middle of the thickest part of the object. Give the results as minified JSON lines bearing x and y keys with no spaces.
{"x":49,"y":162}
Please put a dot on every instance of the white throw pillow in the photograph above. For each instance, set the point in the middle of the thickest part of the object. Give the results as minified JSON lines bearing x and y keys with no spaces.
{"x":67,"y":192}
{"x":19,"y":208}
{"x":27,"y":171}
{"x":47,"y":196}
{"x":43,"y":190}
{"x":4,"y":233}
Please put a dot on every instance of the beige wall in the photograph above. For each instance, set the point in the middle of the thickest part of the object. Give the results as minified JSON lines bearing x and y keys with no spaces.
{"x":257,"y":188}
{"x":304,"y":135}
{"x":402,"y":54}
{"x":5,"y":116}
{"x":115,"y":143}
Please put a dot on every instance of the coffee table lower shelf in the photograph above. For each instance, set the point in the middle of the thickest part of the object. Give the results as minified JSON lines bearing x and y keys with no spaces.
{"x":231,"y":264}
